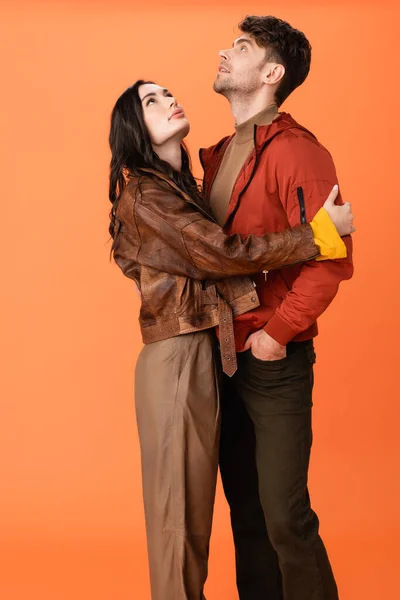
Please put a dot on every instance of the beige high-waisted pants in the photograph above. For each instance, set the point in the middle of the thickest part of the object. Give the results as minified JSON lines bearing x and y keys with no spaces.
{"x":178,"y":416}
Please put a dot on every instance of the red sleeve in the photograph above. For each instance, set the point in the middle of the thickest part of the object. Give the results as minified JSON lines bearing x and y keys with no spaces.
{"x":306,"y":174}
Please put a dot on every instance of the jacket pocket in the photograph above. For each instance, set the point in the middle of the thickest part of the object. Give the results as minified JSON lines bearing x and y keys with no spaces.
{"x":300,"y":197}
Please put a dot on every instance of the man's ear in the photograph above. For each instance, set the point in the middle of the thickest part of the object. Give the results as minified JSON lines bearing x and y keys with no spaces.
{"x":273,"y":73}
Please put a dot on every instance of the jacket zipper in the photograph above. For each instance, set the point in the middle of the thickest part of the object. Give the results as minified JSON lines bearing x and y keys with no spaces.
{"x":300,"y":197}
{"x":245,"y":188}
{"x":303,"y":221}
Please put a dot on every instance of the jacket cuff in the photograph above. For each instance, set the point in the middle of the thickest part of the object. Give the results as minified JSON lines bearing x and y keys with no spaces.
{"x":280,"y":331}
{"x":326,"y":237}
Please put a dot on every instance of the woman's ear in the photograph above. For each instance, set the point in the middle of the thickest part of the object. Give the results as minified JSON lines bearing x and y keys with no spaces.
{"x":126,"y":174}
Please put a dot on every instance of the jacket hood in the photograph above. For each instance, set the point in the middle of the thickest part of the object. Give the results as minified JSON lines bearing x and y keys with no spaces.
{"x":263,"y":135}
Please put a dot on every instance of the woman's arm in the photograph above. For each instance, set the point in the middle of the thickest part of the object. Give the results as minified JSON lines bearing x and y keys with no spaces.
{"x":174,"y":237}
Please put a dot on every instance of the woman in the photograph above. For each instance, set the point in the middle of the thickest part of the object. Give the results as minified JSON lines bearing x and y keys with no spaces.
{"x":183,"y":264}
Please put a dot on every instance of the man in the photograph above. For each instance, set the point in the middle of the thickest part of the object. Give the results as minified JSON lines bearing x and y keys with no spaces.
{"x":272,"y":174}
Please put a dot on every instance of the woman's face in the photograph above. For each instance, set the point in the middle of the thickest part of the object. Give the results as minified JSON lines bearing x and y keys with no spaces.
{"x":163,"y":116}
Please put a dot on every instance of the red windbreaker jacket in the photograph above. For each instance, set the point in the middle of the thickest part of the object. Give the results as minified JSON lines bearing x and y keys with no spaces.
{"x":283,"y":183}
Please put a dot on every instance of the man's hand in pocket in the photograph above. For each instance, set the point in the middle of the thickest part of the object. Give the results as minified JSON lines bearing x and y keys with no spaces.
{"x":264,"y":347}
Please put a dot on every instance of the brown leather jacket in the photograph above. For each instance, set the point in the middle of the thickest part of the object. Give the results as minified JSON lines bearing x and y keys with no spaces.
{"x":185,"y":266}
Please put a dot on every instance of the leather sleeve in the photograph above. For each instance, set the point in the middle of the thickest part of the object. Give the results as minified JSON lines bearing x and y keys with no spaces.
{"x":177,"y":239}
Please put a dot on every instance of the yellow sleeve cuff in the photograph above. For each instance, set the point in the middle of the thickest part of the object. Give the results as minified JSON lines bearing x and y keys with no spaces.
{"x":330,"y":244}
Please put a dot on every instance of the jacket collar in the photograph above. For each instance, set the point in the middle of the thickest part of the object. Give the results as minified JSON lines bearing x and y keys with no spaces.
{"x":245,"y":131}
{"x":164,"y":177}
{"x":262,"y":133}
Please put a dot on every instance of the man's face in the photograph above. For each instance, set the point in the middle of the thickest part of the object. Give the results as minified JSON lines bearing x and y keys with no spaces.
{"x":240,"y":69}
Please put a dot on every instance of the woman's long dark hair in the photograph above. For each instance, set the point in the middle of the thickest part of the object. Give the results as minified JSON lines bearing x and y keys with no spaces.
{"x":131,"y":150}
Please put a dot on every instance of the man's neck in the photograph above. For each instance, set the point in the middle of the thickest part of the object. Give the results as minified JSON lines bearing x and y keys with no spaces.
{"x":244,"y":108}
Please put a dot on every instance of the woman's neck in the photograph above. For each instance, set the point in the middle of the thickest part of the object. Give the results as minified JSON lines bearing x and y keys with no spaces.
{"x":171,"y":153}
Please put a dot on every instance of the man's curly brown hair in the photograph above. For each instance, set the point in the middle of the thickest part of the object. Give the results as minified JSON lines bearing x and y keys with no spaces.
{"x":285,"y":45}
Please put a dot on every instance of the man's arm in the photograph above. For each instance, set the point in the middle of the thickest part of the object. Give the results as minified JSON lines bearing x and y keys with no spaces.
{"x":303,"y":190}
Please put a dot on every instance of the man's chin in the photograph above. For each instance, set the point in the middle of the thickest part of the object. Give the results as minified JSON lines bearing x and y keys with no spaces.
{"x":219,"y":87}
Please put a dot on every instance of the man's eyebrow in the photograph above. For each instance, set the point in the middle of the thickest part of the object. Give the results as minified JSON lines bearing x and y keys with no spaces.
{"x":165,"y":93}
{"x":241,"y":41}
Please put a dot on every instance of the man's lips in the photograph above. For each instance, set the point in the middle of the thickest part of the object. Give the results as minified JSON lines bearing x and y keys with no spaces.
{"x":177,"y":113}
{"x":222,"y":69}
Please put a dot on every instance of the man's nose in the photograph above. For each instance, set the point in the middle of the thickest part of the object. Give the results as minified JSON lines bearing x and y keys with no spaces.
{"x":223,"y":54}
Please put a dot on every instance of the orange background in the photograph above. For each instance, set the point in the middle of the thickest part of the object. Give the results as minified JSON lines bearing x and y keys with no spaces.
{"x":71,"y":516}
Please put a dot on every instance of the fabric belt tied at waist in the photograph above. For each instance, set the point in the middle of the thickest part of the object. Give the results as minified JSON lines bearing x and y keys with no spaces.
{"x":226,"y":338}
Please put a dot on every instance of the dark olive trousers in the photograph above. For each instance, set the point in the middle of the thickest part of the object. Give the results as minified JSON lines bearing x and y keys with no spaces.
{"x":264,"y":457}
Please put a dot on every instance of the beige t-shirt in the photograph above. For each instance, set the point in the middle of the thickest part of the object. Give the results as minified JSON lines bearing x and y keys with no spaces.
{"x":234,"y":158}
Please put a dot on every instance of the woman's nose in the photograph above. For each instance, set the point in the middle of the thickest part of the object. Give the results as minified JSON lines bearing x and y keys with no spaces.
{"x":173,"y":102}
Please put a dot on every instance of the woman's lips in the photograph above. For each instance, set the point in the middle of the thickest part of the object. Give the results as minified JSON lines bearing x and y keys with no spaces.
{"x":177,"y":114}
